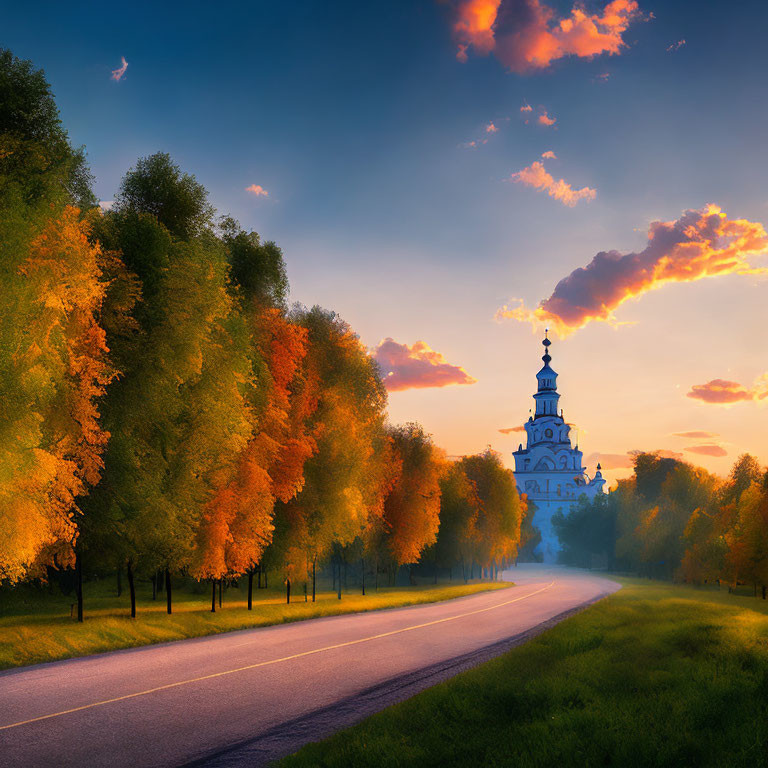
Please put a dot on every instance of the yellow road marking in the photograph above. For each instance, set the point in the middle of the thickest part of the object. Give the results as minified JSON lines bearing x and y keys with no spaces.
{"x":273,"y":661}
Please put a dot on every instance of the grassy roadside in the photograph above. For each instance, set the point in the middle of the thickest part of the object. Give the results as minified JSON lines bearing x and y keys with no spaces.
{"x":655,"y":675}
{"x":37,"y":627}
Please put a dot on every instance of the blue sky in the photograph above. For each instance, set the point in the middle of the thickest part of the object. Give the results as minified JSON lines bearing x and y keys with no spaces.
{"x":354,"y":117}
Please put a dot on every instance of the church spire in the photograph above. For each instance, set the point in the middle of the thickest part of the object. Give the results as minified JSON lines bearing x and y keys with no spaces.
{"x":546,"y":397}
{"x":547,"y":358}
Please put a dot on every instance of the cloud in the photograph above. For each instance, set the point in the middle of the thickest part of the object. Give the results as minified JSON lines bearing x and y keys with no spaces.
{"x":510,"y":430}
{"x":723,"y":392}
{"x":545,"y":119}
{"x":603,"y":77}
{"x":106,"y":205}
{"x":536,"y":176}
{"x":526,"y":35}
{"x":701,"y":243}
{"x":526,"y":108}
{"x":118,"y":73}
{"x":257,"y":190}
{"x":610,"y":460}
{"x":709,"y":449}
{"x":549,"y":155}
{"x":676,"y":46}
{"x":491,"y":128}
{"x":696,"y":434}
{"x":416,"y":367}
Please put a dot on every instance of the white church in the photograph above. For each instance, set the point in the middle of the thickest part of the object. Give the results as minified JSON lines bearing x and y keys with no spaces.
{"x":549,"y":470}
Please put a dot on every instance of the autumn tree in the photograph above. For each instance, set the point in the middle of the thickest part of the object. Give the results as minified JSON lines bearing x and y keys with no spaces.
{"x":412,"y":506}
{"x":51,"y":293}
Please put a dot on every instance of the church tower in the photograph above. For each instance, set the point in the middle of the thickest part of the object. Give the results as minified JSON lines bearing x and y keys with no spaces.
{"x":549,"y":469}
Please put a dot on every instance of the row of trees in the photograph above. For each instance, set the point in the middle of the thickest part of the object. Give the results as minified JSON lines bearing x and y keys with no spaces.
{"x":163,"y":410}
{"x":674,"y":520}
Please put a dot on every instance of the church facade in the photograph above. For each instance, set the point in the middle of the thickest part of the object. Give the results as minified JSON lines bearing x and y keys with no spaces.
{"x":549,"y":469}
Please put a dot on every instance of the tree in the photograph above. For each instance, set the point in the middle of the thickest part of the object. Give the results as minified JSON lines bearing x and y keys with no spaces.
{"x":51,"y":383}
{"x":412,"y":506}
{"x":501,"y":511}
{"x":587,"y":534}
{"x":156,"y":186}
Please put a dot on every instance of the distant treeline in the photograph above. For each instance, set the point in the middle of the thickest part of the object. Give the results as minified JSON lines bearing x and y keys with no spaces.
{"x":162,"y":409}
{"x":673,"y":520}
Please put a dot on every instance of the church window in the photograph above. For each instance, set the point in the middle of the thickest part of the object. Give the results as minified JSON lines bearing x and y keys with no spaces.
{"x":548,"y":433}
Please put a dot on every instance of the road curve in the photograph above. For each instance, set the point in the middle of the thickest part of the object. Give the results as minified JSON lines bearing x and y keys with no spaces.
{"x":251,"y":696}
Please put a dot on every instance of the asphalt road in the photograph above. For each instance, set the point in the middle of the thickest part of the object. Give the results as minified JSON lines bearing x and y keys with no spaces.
{"x":248,"y":697}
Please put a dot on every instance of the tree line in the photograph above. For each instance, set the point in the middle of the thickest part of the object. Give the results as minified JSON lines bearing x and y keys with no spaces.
{"x":164,"y":411}
{"x":674,"y":520}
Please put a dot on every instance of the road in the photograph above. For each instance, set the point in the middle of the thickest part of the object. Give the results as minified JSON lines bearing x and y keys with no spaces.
{"x":248,"y":697}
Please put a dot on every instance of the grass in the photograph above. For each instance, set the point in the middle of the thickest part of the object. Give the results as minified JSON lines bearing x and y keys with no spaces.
{"x":36,"y":626}
{"x":655,"y":675}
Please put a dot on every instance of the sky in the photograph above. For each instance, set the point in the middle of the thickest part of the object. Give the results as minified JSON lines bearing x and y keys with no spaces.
{"x":452,"y":177}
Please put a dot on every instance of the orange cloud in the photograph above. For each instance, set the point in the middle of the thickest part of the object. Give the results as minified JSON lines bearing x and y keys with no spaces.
{"x":510,"y":430}
{"x":696,"y":434}
{"x":702,"y":243}
{"x":723,"y":392}
{"x":416,"y":367}
{"x":118,"y":73}
{"x":610,"y":460}
{"x":527,"y":35}
{"x":536,"y":176}
{"x":708,"y":450}
{"x":676,"y":46}
{"x":257,"y":190}
{"x":549,"y":155}
{"x":526,"y":108}
{"x":545,"y":119}
{"x":491,"y":128}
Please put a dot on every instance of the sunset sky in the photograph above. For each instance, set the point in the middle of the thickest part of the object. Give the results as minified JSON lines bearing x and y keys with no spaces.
{"x":434,"y":170}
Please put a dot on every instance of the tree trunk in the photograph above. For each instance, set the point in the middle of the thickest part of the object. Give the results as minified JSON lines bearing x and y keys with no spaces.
{"x":119,"y":580}
{"x":362,"y":570}
{"x":305,"y":592}
{"x":287,"y":590}
{"x":250,"y":589}
{"x":131,"y":588}
{"x":763,"y":591}
{"x":221,"y":590}
{"x":168,"y":590}
{"x":314,"y":578}
{"x":79,"y":579}
{"x":213,"y":595}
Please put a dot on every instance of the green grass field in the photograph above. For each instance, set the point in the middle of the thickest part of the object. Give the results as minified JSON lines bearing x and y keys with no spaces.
{"x":36,"y":626}
{"x":655,"y":675}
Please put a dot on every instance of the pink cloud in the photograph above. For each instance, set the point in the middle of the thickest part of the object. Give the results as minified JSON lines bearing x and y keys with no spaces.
{"x":707,"y":450}
{"x":724,"y":392}
{"x":491,"y":128}
{"x":526,"y":108}
{"x":676,"y":46}
{"x":696,"y":434}
{"x":526,"y":35}
{"x":545,"y":119}
{"x":701,"y":243}
{"x":549,"y":155}
{"x":510,"y":430}
{"x":416,"y":367}
{"x":118,"y":73}
{"x":535,"y":175}
{"x":257,"y":190}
